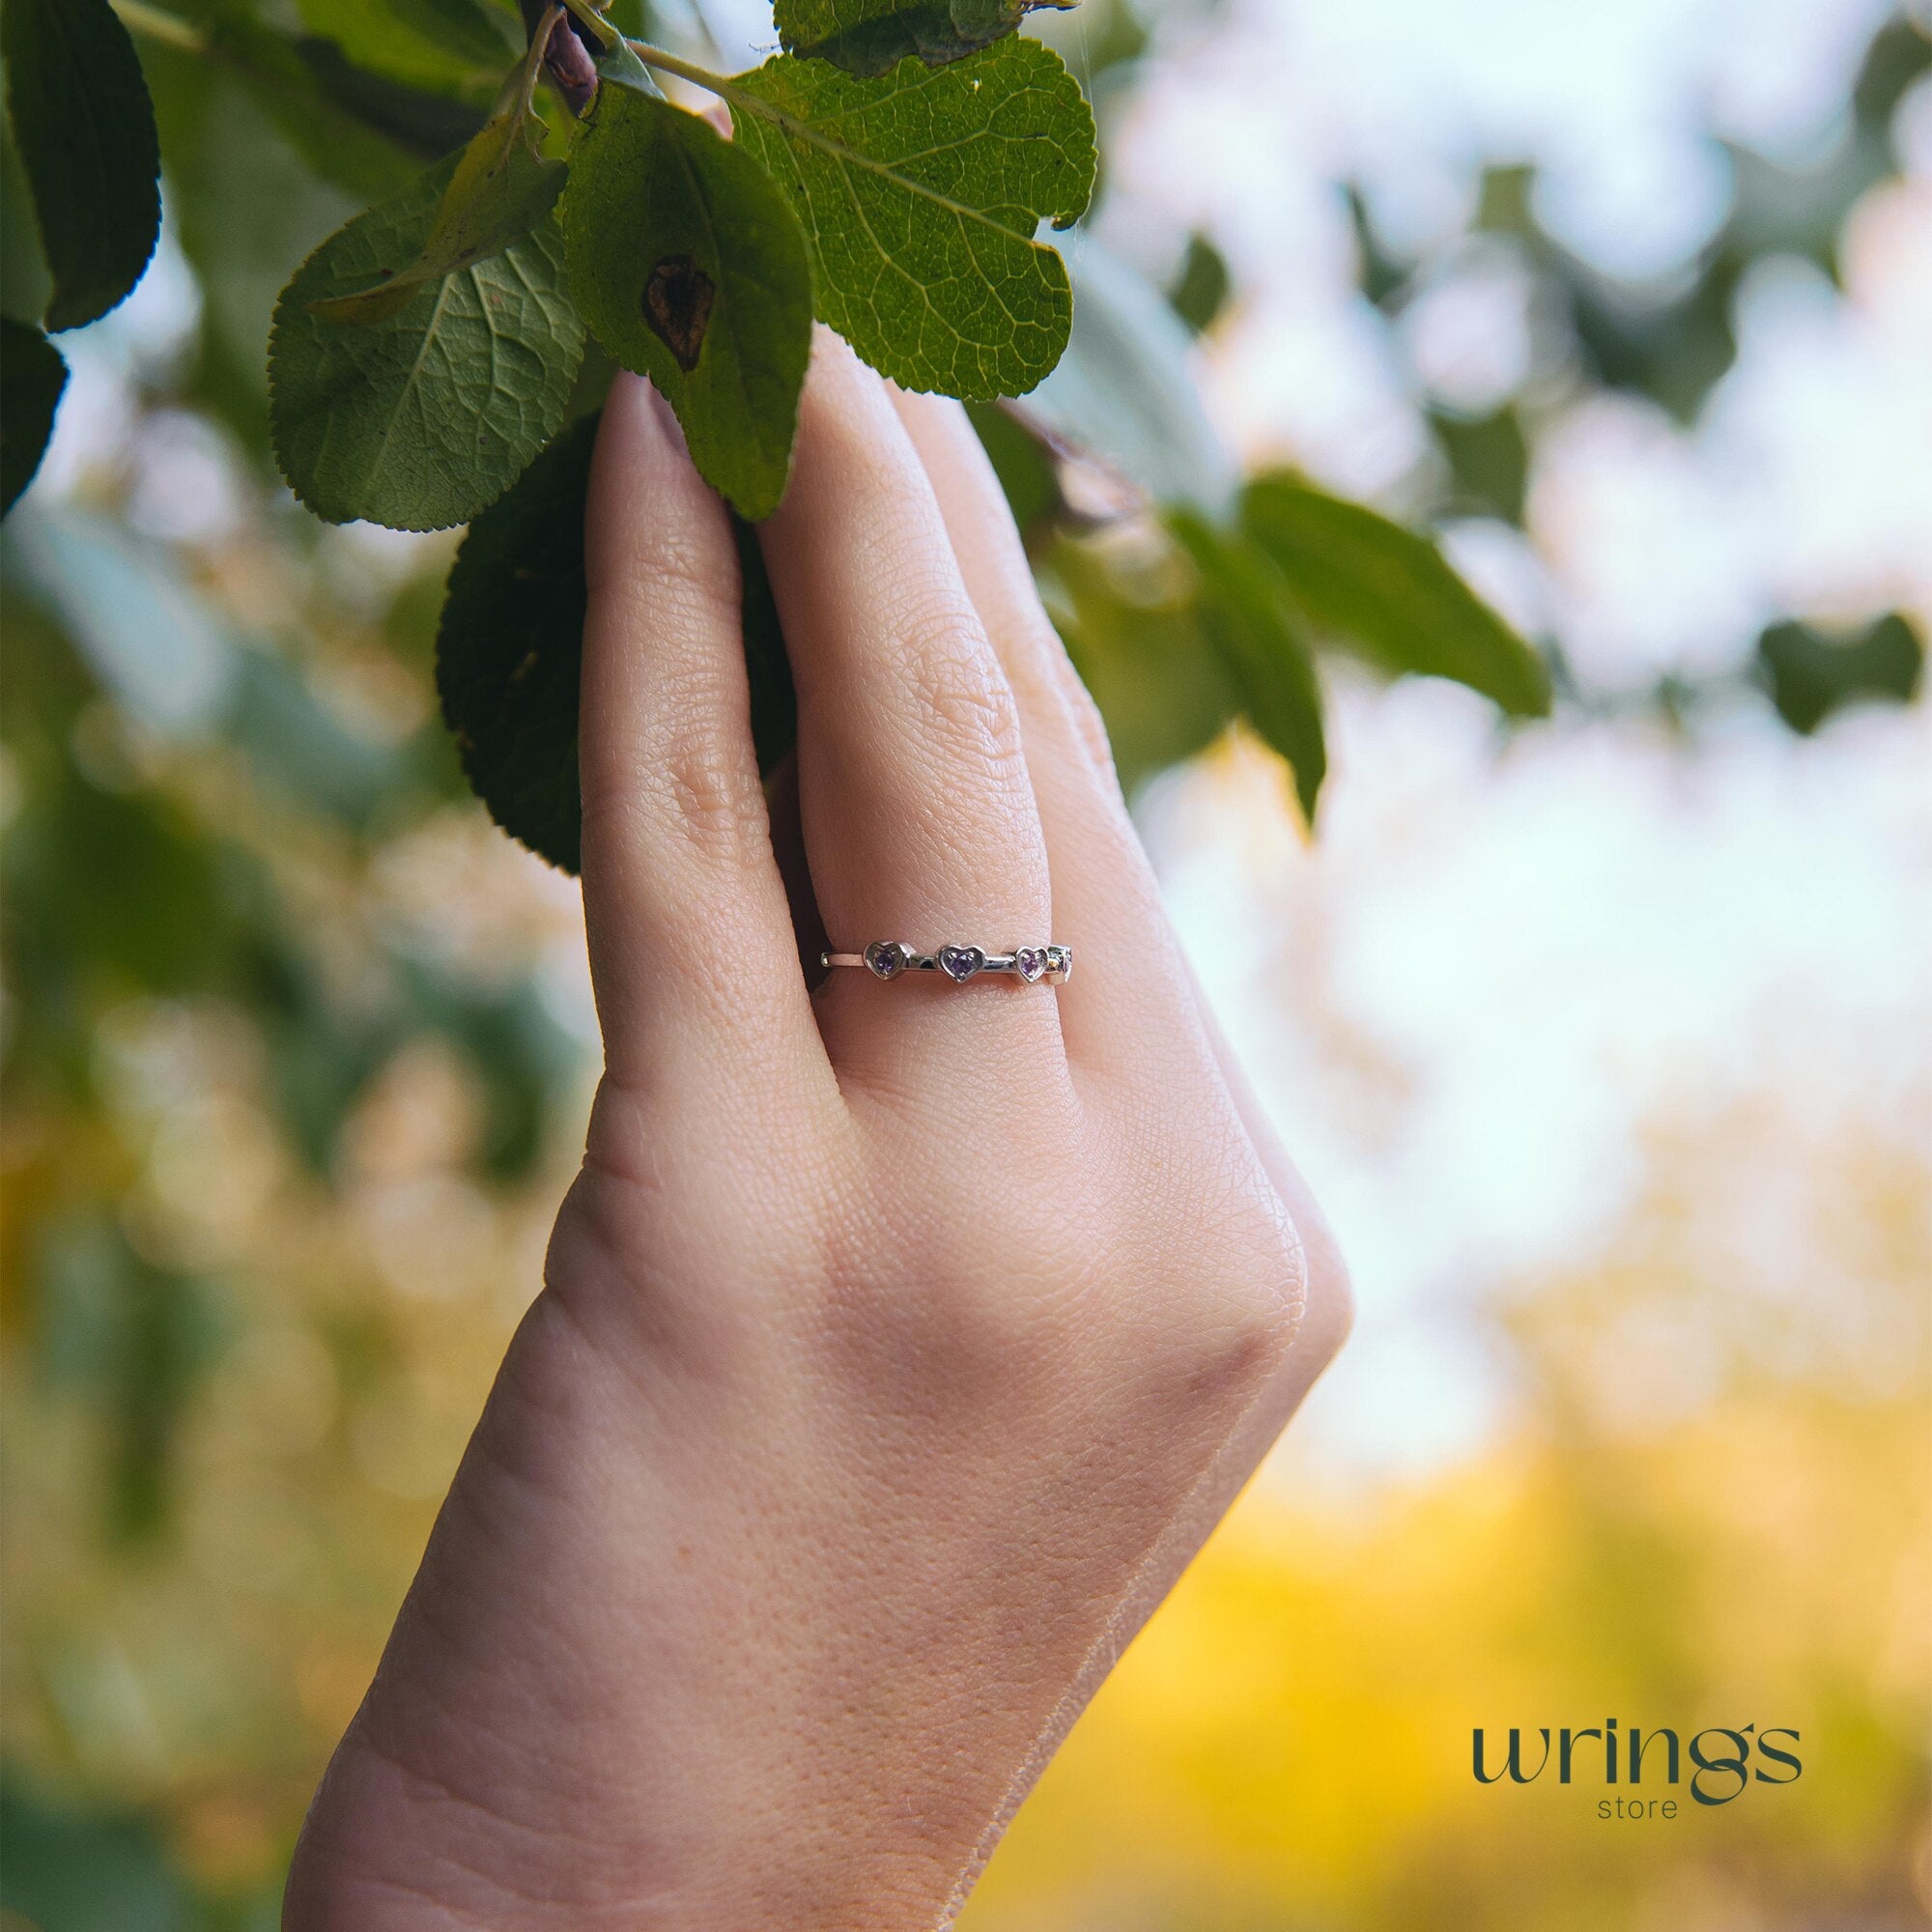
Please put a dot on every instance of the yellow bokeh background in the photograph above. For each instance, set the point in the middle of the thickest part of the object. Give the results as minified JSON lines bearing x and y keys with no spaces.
{"x":1289,"y":1742}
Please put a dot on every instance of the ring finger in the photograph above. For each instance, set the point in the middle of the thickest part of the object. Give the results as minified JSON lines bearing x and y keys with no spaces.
{"x":918,"y":811}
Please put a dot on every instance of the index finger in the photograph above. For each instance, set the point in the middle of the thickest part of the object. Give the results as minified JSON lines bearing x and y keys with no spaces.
{"x":691,"y":936}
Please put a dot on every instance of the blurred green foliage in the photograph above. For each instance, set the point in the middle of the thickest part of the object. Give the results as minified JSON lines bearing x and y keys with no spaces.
{"x":87,"y":1871}
{"x":293,"y":1074}
{"x":1812,"y":675}
{"x":1202,"y":285}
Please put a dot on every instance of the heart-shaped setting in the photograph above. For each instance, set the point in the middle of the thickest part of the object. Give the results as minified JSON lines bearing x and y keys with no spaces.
{"x":960,"y":962}
{"x":887,"y":958}
{"x":1030,"y":962}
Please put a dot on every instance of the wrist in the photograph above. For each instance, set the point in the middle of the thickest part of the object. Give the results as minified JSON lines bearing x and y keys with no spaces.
{"x":387,"y":1849}
{"x":382,"y":1851}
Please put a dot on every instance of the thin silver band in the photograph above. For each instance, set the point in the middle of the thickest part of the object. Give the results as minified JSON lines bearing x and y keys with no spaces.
{"x":890,"y":958}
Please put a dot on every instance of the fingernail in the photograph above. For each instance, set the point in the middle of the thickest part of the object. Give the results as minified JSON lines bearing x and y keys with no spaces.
{"x":659,"y":416}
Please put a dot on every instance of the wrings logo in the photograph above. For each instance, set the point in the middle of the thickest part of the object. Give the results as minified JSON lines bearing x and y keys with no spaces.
{"x":1721,"y":1772}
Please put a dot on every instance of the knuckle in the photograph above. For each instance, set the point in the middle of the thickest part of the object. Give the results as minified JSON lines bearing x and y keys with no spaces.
{"x":710,"y":792}
{"x":1236,"y":1336}
{"x":1262,"y":1296}
{"x":1235,"y":1314}
{"x":1265,"y":1305}
{"x":683,"y":788}
{"x":958,"y":695}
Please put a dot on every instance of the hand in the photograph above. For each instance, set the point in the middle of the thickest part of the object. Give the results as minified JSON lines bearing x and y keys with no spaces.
{"x":900,"y":1343}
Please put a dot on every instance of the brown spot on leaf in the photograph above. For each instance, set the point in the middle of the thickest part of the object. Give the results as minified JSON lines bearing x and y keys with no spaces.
{"x":677,"y":306}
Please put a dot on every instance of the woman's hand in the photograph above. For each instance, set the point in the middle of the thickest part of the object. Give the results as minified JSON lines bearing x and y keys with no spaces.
{"x":900,"y":1342}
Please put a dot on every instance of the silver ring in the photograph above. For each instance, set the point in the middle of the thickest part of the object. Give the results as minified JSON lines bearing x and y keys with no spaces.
{"x":890,"y":958}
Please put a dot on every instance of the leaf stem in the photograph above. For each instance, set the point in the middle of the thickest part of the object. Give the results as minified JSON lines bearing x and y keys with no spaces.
{"x":593,"y":20}
{"x":684,"y":70}
{"x":524,"y":72}
{"x":170,"y":29}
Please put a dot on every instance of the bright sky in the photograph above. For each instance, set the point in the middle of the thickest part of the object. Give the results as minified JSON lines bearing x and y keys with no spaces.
{"x":1472,"y":1000}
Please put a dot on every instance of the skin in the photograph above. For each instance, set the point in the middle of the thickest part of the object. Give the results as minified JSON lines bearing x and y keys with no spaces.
{"x":899,"y":1342}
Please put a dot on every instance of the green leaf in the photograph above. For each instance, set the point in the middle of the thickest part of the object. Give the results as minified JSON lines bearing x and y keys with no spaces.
{"x":1133,"y":627}
{"x":618,"y":62}
{"x":508,"y":647}
{"x":86,"y":135}
{"x":690,"y":267}
{"x":1390,"y":594}
{"x":501,"y":188}
{"x":1202,"y":285}
{"x":1246,"y":610}
{"x":420,"y":419}
{"x":32,"y":377}
{"x":24,"y":281}
{"x":872,"y":37}
{"x":309,"y":86}
{"x":216,"y":111}
{"x":1488,"y":462}
{"x":920,"y":193}
{"x":433,"y":43}
{"x":510,"y":644}
{"x":1023,"y":463}
{"x":1812,"y":675}
{"x":247,"y":204}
